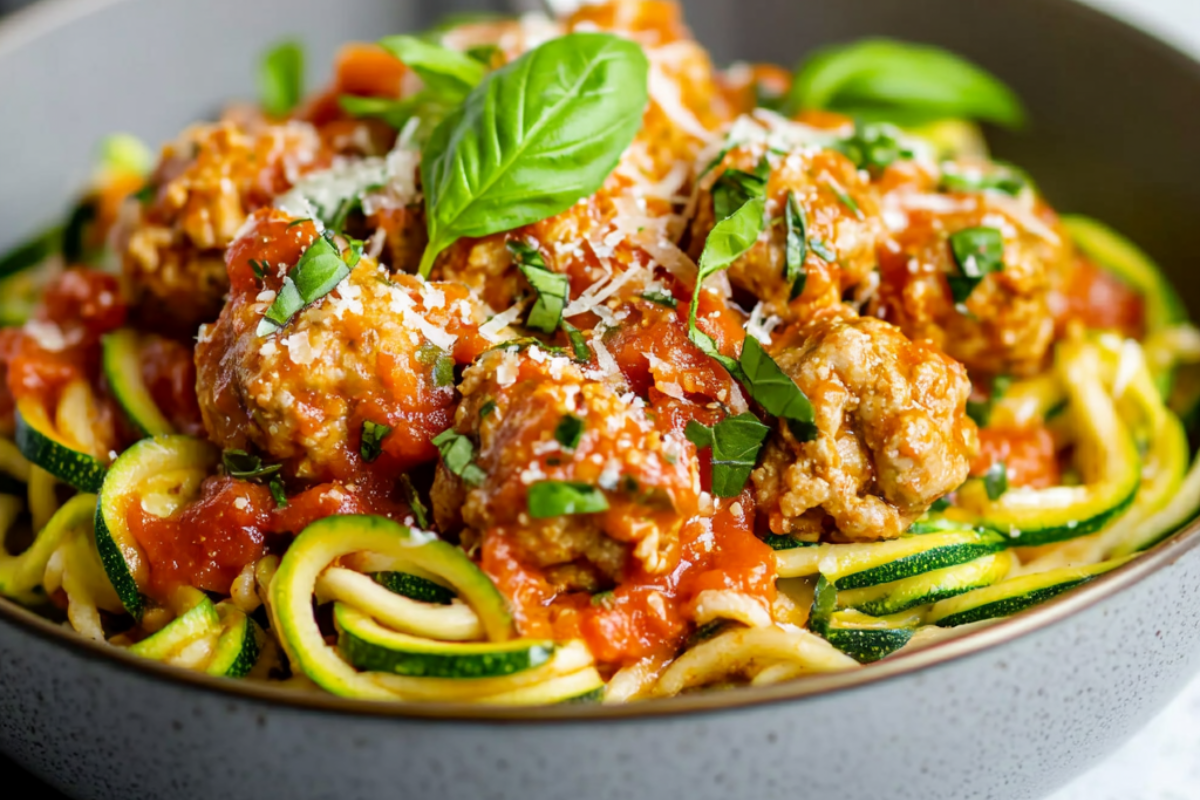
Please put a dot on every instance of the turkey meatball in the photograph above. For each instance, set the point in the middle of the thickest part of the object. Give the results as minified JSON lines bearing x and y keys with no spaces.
{"x":892,"y":434}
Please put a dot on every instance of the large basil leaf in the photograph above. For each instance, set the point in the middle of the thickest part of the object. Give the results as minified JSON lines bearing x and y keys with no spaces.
{"x":442,"y":69}
{"x":533,"y":138}
{"x":883,"y":79}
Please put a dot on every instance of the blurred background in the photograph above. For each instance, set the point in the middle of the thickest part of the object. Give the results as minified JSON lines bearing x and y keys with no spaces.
{"x":1163,"y":763}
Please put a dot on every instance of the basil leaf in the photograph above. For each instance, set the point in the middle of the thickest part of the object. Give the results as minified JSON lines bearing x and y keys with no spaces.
{"x":281,"y":78}
{"x":823,"y":250}
{"x":579,"y":345}
{"x":728,"y":240}
{"x":419,"y":512}
{"x":487,"y":409}
{"x":443,"y":70}
{"x":275,"y":485}
{"x":661,"y":298}
{"x":995,"y":480}
{"x":373,"y":434}
{"x":246,"y":467}
{"x":939,"y":505}
{"x":735,"y":443}
{"x":533,"y":138}
{"x":1000,"y":178}
{"x":845,"y":199}
{"x":458,"y":455}
{"x":797,"y":246}
{"x":552,"y":289}
{"x":873,"y":147}
{"x":569,"y":431}
{"x":556,"y":498}
{"x":734,"y":188}
{"x":978,"y":252}
{"x":884,"y":79}
{"x":485,"y":54}
{"x":775,"y":390}
{"x":981,"y":410}
{"x":315,"y":275}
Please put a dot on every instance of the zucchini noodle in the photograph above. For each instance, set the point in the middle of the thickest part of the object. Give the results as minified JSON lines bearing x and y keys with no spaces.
{"x":750,"y":406}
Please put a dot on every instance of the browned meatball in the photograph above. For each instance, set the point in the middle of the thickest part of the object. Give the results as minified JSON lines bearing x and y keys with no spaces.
{"x":377,"y":348}
{"x":540,"y":416}
{"x":1006,"y":324}
{"x":844,"y":227}
{"x":206,"y":185}
{"x":892,"y":433}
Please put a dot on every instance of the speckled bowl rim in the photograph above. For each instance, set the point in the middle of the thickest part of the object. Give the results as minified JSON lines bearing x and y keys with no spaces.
{"x":28,"y":24}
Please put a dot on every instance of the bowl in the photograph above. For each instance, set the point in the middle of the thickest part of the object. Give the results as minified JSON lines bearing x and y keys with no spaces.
{"x":1012,"y":711}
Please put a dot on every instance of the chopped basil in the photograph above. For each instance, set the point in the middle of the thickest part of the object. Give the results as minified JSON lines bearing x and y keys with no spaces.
{"x":552,"y":289}
{"x":822,"y":250}
{"x":373,"y":434}
{"x":661,"y":298}
{"x":496,"y":163}
{"x":775,"y":390}
{"x":939,"y":505}
{"x":727,"y":241}
{"x":603,"y":599}
{"x":424,"y":106}
{"x":735,"y":443}
{"x":981,"y":410}
{"x":300,"y":221}
{"x":997,"y":178}
{"x":281,"y":78}
{"x":260,"y":268}
{"x":275,"y":485}
{"x":766,"y":97}
{"x":716,"y":161}
{"x":146,"y":194}
{"x":797,"y":246}
{"x":579,"y":345}
{"x":734,"y":188}
{"x":413,"y":499}
{"x":845,"y":199}
{"x":442,"y":362}
{"x":569,"y":431}
{"x":557,"y":498}
{"x":315,"y":275}
{"x":655,"y":497}
{"x":995,"y":480}
{"x":487,"y":409}
{"x":485,"y":54}
{"x":458,"y":454}
{"x":978,"y":252}
{"x":909,"y":84}
{"x":873,"y":147}
{"x":246,"y":467}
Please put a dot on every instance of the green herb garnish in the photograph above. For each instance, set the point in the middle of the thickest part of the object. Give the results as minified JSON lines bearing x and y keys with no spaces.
{"x":981,"y":410}
{"x":487,"y":409}
{"x":443,"y":70}
{"x":458,"y":454}
{"x":557,"y":498}
{"x":735,"y":443}
{"x":797,"y":246}
{"x":734,"y":188}
{"x":260,"y":268}
{"x":315,"y":275}
{"x":281,"y":78}
{"x":373,"y":434}
{"x":275,"y":486}
{"x":775,"y":390}
{"x":995,"y":480}
{"x":569,"y":431}
{"x":413,"y":499}
{"x":552,"y":289}
{"x":661,"y":298}
{"x":246,"y":467}
{"x":1002,"y":178}
{"x":873,"y":147}
{"x":909,"y":84}
{"x":495,"y":163}
{"x":978,"y":252}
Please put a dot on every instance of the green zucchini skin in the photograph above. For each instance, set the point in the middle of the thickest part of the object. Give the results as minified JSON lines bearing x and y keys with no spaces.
{"x":868,"y":645}
{"x":929,"y":587}
{"x":200,"y":620}
{"x":370,"y":647}
{"x":147,"y":461}
{"x":415,"y":587}
{"x":928,"y":561}
{"x":240,"y":645}
{"x":1016,"y":594}
{"x":83,"y":471}
{"x":122,"y":364}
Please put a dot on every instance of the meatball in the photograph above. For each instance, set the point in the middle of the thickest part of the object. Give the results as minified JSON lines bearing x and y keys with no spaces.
{"x":538,"y":416}
{"x":1006,"y":324}
{"x":843,"y":226}
{"x":892,"y":433}
{"x":206,"y":185}
{"x":377,"y":348}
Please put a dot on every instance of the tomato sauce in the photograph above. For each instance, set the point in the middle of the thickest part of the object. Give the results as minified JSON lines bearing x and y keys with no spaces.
{"x":1099,"y":300}
{"x":1029,"y":455}
{"x":169,"y":372}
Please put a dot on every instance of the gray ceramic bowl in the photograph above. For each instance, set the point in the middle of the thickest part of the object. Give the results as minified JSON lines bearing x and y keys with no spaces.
{"x":1011,"y":712}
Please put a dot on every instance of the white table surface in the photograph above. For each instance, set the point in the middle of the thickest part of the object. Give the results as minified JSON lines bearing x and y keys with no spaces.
{"x":1163,"y":761}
